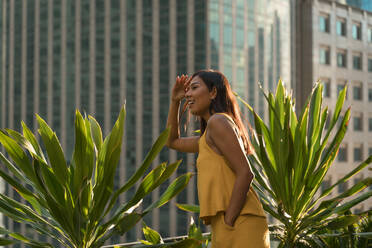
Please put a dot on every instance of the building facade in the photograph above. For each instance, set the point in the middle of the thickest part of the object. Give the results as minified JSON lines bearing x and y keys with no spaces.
{"x":334,"y":45}
{"x":58,"y":55}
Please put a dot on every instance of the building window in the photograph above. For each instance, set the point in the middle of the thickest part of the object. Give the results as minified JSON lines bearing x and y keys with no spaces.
{"x":358,"y":122}
{"x":324,"y":56}
{"x":341,"y":58}
{"x":341,"y":86}
{"x":341,"y":27}
{"x":342,"y":187}
{"x":339,"y":120}
{"x":324,"y":23}
{"x":227,"y":37}
{"x":370,"y":94}
{"x":357,"y":31}
{"x":369,"y":34}
{"x":326,"y":88}
{"x":342,"y":154}
{"x":358,"y":153}
{"x":326,"y":184}
{"x":370,"y":64}
{"x":370,"y":124}
{"x":357,"y":61}
{"x":370,"y":151}
{"x":357,"y":180}
{"x":357,"y":92}
{"x":328,"y":120}
{"x":359,"y":210}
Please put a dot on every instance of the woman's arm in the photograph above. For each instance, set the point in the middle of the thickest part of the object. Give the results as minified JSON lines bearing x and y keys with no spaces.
{"x":189,"y":144}
{"x":226,"y":141}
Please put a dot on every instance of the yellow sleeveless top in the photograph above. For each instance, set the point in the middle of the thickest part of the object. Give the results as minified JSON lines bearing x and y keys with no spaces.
{"x":215,"y":184}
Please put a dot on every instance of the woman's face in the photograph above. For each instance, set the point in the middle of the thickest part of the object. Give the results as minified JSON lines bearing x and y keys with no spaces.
{"x":199,"y":97}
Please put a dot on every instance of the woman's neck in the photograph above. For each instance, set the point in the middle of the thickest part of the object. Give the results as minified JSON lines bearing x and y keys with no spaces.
{"x":206,"y":116}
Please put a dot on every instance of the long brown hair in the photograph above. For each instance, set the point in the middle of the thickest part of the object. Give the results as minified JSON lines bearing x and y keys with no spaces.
{"x":224,"y":102}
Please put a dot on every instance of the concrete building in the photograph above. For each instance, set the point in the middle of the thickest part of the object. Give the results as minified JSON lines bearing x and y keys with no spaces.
{"x":334,"y":45}
{"x":58,"y":55}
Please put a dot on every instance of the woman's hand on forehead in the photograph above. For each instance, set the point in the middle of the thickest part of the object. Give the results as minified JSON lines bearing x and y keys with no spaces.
{"x":184,"y":80}
{"x":187,"y":84}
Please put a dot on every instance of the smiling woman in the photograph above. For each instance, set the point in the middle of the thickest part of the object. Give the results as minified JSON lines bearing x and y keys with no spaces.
{"x":227,"y":201}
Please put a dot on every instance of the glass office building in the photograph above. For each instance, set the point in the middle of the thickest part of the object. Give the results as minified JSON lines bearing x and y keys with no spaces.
{"x":58,"y":55}
{"x":361,"y":4}
{"x":250,"y":42}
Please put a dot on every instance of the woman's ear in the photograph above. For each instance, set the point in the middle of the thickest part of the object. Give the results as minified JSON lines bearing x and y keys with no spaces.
{"x":213,"y":93}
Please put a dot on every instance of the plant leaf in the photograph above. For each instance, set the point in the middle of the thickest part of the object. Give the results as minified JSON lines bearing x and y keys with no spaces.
{"x":54,"y":150}
{"x":151,"y":235}
{"x":155,"y":149}
{"x":342,"y":221}
{"x":174,"y":188}
{"x":189,"y":208}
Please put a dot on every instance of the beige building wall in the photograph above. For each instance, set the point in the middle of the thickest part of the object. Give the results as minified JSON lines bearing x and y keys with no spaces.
{"x":359,"y":83}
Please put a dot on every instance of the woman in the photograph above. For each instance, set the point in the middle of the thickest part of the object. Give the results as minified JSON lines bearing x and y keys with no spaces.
{"x":227,"y":201}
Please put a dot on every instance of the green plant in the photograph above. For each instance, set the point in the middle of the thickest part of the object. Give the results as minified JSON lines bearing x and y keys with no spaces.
{"x":194,"y":239}
{"x":293,"y":155}
{"x":355,"y":235}
{"x":69,"y":202}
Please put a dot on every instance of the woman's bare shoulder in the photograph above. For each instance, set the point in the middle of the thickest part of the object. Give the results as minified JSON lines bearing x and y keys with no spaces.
{"x":219,"y":124}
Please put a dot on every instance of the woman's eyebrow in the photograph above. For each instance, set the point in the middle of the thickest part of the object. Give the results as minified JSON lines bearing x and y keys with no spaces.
{"x":195,"y":82}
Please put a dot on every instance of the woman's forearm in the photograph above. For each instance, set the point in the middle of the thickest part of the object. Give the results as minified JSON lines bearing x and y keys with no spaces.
{"x":172,"y":122}
{"x":238,"y":197}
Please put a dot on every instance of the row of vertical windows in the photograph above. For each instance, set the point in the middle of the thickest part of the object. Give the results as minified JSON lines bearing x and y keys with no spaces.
{"x":358,"y":122}
{"x":214,"y":33}
{"x":357,"y":90}
{"x":342,"y":187}
{"x":341,"y":27}
{"x":341,"y":58}
{"x":181,"y":37}
{"x":357,"y":153}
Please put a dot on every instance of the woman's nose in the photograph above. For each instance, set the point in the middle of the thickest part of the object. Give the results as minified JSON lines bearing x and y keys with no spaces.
{"x":187,"y":93}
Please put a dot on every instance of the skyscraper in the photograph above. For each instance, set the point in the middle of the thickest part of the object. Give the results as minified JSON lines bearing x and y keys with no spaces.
{"x":58,"y":55}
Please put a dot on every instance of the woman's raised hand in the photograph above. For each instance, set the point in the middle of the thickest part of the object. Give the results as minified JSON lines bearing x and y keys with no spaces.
{"x":179,"y":88}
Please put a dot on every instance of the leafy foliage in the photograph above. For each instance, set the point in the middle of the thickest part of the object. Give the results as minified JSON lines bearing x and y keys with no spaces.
{"x":72,"y":203}
{"x":293,"y":155}
{"x":357,"y":234}
{"x":194,"y":239}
